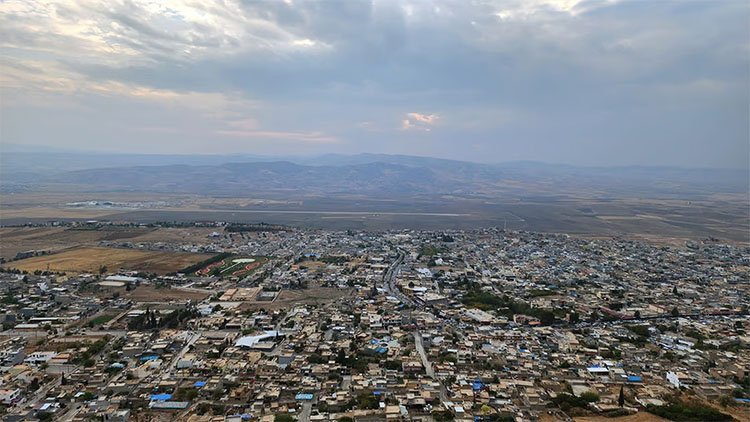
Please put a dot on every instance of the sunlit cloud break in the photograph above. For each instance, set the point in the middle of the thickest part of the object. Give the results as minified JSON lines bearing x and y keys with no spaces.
{"x":419,"y":121}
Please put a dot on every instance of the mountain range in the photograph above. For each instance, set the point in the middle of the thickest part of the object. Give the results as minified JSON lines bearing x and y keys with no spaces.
{"x":364,"y":174}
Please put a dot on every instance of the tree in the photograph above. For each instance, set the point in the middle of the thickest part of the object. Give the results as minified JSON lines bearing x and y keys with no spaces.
{"x":341,"y":357}
{"x":637,"y":315}
{"x":621,"y":398}
{"x":283,"y":417}
{"x":675,"y":312}
{"x":590,"y":396}
{"x":102,"y":269}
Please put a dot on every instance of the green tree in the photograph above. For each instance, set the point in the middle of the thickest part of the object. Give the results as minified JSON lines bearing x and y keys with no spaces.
{"x":283,"y":417}
{"x":590,"y":396}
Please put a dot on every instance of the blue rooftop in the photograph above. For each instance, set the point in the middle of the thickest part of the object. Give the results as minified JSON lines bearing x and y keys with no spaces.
{"x":199,"y":384}
{"x":161,"y":397}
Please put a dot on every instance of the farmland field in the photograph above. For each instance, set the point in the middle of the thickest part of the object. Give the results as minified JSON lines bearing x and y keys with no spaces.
{"x":18,"y":239}
{"x":90,"y":259}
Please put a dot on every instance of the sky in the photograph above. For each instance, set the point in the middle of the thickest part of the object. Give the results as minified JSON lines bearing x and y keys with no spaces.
{"x":565,"y":81}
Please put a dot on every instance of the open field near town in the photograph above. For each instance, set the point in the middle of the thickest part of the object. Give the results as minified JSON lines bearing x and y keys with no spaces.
{"x":722,"y":216}
{"x":19,"y":239}
{"x":638,"y":417}
{"x":146,"y":293}
{"x":90,"y":259}
{"x":314,"y":295}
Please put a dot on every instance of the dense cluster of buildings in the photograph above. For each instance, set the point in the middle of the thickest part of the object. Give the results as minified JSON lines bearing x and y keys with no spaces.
{"x":404,"y":325}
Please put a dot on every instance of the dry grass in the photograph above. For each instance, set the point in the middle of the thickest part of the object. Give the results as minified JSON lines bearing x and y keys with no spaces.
{"x":638,"y":417}
{"x":85,"y":259}
{"x":152,"y":294}
{"x":19,"y":239}
{"x":313,"y":295}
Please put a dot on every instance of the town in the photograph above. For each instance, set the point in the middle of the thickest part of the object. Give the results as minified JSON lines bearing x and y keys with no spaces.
{"x":279,"y":324}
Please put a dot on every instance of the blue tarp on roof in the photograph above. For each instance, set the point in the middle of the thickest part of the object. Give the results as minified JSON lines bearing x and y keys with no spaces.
{"x":477,"y":385}
{"x":199,"y":384}
{"x":634,"y":378}
{"x":381,"y":350}
{"x":303,"y":396}
{"x":161,"y":397}
{"x":149,"y":357}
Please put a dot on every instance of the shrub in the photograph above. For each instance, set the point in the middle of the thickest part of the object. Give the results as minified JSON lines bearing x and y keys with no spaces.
{"x":683,"y":412}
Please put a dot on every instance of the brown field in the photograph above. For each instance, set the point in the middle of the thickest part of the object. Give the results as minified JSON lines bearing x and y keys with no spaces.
{"x":20,"y":239}
{"x":723,"y":216}
{"x":313,"y":295}
{"x":89,"y":259}
{"x":152,"y":294}
{"x":638,"y":417}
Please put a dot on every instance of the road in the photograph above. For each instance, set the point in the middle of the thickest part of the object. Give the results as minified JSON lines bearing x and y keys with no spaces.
{"x":194,"y":336}
{"x":40,"y":395}
{"x":389,"y":277}
{"x":304,"y":416}
{"x":423,"y":355}
{"x":346,"y":382}
{"x":70,"y":413}
{"x":429,"y":370}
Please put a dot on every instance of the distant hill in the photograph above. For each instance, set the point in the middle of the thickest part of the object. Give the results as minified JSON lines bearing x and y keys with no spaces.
{"x":363,"y":174}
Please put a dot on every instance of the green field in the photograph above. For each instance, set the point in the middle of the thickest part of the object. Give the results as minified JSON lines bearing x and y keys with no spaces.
{"x":233,"y":266}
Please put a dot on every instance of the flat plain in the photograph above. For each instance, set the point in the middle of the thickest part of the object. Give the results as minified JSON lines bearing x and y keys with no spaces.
{"x":721,"y":216}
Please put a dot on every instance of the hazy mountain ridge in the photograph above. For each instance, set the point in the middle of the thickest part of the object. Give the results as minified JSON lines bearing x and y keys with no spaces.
{"x":366,"y":174}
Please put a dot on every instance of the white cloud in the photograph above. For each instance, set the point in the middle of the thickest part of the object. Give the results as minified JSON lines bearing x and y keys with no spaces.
{"x":419,"y":121}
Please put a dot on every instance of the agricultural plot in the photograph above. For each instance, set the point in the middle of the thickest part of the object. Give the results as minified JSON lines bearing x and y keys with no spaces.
{"x":84,"y":259}
{"x":233,"y":266}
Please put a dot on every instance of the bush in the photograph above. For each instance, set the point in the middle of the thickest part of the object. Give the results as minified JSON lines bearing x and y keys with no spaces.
{"x":683,"y":412}
{"x":641,"y":330}
{"x":617,"y":413}
{"x":442,"y":416}
{"x":590,"y":397}
{"x":568,"y":401}
{"x":283,"y":417}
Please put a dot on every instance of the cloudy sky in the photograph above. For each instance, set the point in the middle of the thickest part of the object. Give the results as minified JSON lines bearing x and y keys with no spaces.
{"x":567,"y":81}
